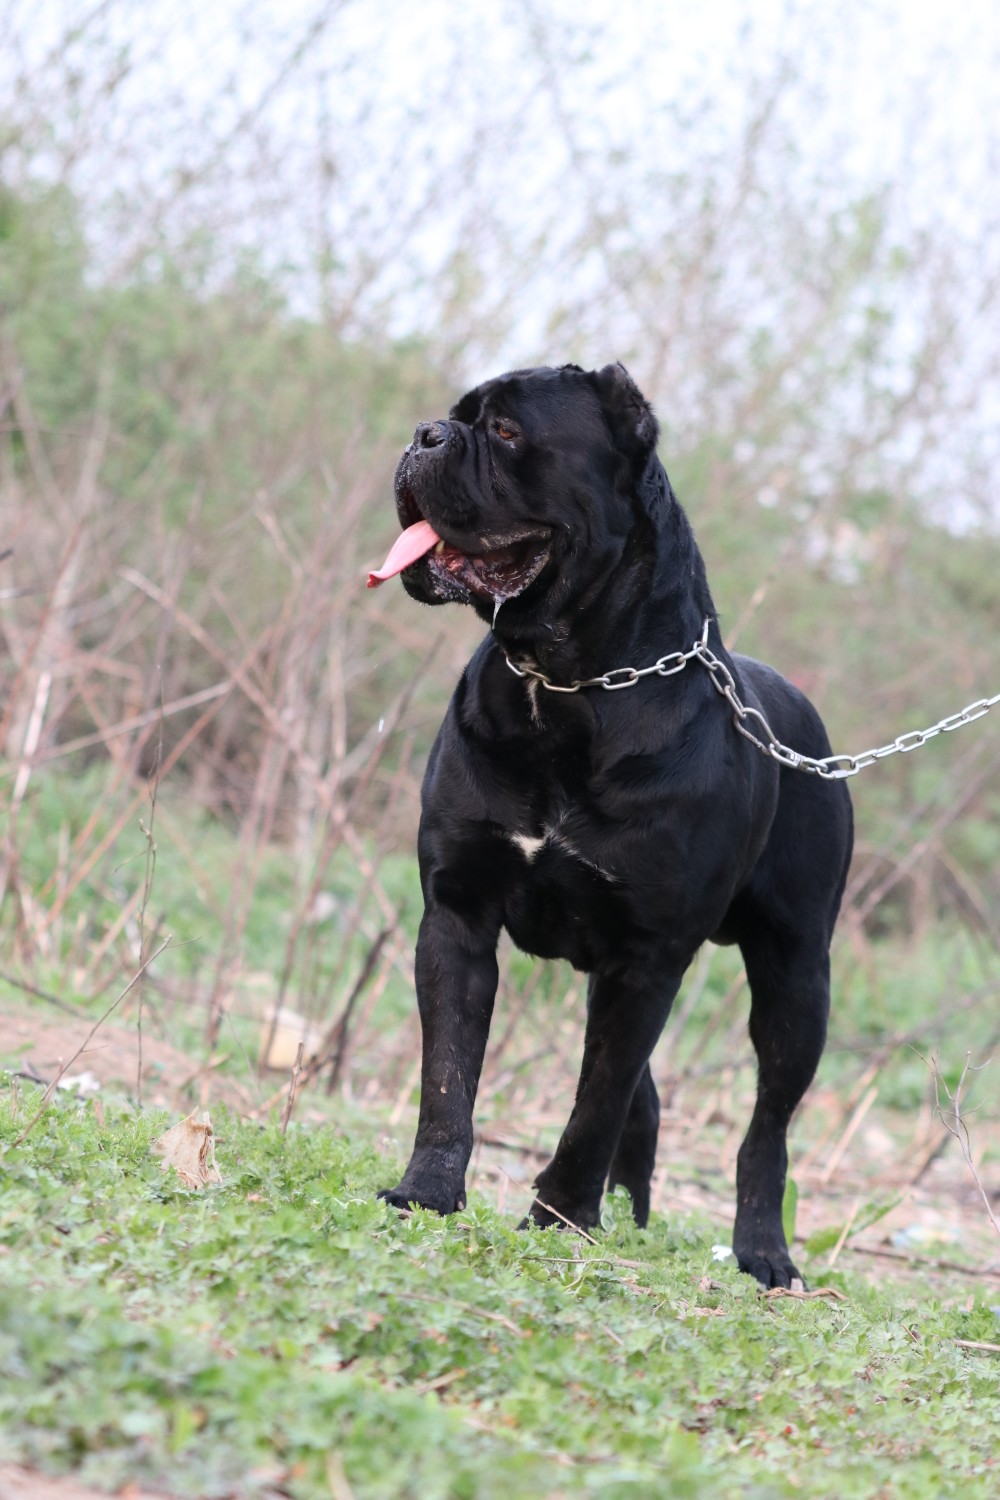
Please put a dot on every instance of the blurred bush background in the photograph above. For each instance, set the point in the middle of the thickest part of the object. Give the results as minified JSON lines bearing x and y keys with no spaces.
{"x":244,"y":248}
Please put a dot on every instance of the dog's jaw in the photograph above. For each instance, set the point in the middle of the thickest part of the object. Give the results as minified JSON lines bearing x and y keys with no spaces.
{"x":500,"y":568}
{"x":490,"y":568}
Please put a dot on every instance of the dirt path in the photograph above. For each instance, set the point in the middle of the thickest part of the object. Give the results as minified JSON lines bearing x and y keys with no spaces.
{"x":24,"y":1484}
{"x":39,"y":1042}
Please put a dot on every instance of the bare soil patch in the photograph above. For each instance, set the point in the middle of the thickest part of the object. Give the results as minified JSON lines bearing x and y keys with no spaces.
{"x":25,"y":1484}
{"x":39,"y":1043}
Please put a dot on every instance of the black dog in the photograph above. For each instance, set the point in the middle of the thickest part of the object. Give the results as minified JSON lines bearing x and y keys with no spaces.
{"x":618,"y":830}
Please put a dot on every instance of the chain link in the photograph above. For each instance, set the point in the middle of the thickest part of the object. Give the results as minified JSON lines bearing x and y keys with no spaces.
{"x":830,"y":767}
{"x":618,"y":677}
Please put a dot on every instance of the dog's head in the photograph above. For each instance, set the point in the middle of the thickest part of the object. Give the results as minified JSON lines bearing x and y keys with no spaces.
{"x":533,"y":484}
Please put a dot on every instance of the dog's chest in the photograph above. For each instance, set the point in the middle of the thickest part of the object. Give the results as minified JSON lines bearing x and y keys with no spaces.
{"x":556,"y":825}
{"x":561,"y":897}
{"x":554,"y":840}
{"x":561,"y":868}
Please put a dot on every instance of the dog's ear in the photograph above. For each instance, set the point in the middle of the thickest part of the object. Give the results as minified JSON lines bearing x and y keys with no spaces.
{"x":627,"y":412}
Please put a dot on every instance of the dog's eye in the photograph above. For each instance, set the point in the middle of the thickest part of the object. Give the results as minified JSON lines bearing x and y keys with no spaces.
{"x":504,"y":429}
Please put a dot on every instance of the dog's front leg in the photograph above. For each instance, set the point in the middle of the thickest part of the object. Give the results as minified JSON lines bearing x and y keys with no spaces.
{"x":456,"y":975}
{"x":626,"y":1012}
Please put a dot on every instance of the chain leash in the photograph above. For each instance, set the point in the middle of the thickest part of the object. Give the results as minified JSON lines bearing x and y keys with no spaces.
{"x":830,"y":768}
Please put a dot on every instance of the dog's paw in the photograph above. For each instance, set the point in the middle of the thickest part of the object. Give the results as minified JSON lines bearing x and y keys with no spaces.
{"x":772,"y":1268}
{"x":541,"y":1216}
{"x":439,"y":1199}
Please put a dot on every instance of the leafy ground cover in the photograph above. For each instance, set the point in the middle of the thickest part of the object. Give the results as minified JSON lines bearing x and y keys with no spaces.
{"x":284,"y":1334}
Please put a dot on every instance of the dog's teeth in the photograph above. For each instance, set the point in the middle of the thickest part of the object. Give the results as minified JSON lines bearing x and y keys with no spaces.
{"x":440,"y":547}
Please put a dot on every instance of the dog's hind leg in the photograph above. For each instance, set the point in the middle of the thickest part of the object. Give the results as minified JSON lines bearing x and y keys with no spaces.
{"x":625,"y":1015}
{"x":635,"y":1156}
{"x":790,"y":1001}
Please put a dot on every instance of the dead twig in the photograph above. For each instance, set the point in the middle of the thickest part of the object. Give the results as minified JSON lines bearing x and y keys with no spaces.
{"x":293,"y":1088}
{"x":466,"y":1307}
{"x":801,"y":1295}
{"x":147,"y":886}
{"x":929,"y":1262}
{"x":838,"y":1151}
{"x":954,"y":1122}
{"x":65,"y":1067}
{"x":334,"y":1046}
{"x":124,"y":726}
{"x":576,"y":1228}
{"x":842,"y":1237}
{"x":31,"y":989}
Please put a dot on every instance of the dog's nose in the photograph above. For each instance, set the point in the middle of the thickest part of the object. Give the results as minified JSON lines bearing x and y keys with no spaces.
{"x":429,"y":435}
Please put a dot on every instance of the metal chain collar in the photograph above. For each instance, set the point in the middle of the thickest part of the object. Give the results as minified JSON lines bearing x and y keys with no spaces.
{"x":619,"y":677}
{"x":830,"y":768}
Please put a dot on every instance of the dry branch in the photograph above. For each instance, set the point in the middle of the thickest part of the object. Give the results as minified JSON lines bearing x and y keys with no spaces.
{"x":64,"y":1067}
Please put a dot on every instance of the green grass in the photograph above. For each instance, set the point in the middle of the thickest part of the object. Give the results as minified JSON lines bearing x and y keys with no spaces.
{"x":284,"y":1333}
{"x":286,"y":1330}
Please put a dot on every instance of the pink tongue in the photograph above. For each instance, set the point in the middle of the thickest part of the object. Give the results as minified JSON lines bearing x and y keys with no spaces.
{"x":412,"y":544}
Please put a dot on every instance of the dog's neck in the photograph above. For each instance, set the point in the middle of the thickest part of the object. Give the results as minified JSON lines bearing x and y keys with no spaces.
{"x":597,"y":631}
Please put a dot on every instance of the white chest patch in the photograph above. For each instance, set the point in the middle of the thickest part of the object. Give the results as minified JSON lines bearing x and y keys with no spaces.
{"x":528,"y":846}
{"x":531,"y":846}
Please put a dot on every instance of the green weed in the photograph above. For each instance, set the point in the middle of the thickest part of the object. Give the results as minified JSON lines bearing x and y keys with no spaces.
{"x":263,"y":1331}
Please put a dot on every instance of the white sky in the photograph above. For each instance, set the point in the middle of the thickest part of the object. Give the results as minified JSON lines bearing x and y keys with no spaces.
{"x":448,"y":121}
{"x":887,"y":75}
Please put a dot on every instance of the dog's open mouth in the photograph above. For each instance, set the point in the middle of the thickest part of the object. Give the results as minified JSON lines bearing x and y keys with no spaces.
{"x":501,"y":568}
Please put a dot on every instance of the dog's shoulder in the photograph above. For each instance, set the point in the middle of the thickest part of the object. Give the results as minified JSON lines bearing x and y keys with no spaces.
{"x":792,"y":716}
{"x":470,"y":762}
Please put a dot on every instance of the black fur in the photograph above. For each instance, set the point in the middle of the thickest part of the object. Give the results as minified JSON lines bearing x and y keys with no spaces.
{"x":661,"y":826}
